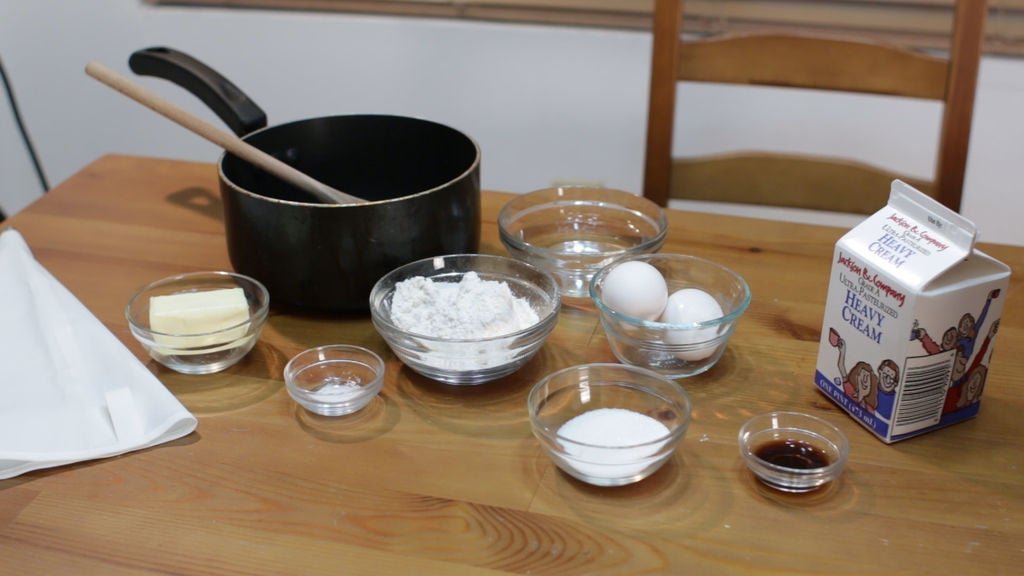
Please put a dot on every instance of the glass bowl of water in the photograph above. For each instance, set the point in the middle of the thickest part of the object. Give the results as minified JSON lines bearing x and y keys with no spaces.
{"x":574,"y":231}
{"x":608,"y":424}
{"x":334,"y":380}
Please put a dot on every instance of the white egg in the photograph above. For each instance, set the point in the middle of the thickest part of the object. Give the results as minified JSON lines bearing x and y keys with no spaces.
{"x":688,"y":306}
{"x":635,"y":288}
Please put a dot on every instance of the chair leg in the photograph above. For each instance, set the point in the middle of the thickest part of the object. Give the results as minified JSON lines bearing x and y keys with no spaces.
{"x":959,"y":110}
{"x":666,"y":28}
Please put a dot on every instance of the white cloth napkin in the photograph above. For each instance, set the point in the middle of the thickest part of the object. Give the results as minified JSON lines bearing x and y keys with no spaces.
{"x":69,"y":389}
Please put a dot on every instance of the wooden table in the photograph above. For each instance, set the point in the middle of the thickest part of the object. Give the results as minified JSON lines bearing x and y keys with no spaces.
{"x":433,"y":479}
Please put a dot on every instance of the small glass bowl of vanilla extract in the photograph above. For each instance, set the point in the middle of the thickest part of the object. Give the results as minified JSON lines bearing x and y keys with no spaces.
{"x":793,"y":452}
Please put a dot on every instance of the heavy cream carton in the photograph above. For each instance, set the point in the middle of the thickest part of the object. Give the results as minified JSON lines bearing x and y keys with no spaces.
{"x":911,"y":318}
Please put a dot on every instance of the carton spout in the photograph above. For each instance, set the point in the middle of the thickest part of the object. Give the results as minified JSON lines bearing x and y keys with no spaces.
{"x":915,"y":204}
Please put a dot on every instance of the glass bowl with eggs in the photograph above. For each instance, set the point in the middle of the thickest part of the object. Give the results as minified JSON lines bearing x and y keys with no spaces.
{"x":671,"y":313}
{"x":465,"y":318}
{"x":573,"y":231}
{"x":200,"y":322}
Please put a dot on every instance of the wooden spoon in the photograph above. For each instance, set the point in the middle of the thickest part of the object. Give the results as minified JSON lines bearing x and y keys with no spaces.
{"x":222,"y":138}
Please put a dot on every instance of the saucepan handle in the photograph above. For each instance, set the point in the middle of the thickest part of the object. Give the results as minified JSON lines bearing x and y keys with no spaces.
{"x":232,"y":105}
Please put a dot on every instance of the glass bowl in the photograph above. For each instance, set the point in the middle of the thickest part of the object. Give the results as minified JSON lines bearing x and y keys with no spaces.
{"x":221,"y":337}
{"x":675,"y":350}
{"x":334,"y":380}
{"x":574,"y":231}
{"x":456,"y":358}
{"x":608,"y":424}
{"x":793,"y":452}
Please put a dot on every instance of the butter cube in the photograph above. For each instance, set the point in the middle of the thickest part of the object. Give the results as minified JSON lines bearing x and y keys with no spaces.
{"x":202,"y":315}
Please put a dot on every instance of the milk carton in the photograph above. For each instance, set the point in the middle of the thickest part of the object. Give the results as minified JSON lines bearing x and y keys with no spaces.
{"x":911,"y":318}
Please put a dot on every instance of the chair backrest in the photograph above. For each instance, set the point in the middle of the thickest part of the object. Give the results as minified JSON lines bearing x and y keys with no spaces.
{"x":821,"y":63}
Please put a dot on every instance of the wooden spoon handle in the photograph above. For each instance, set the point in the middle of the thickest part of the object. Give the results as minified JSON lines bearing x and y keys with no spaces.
{"x":222,"y":138}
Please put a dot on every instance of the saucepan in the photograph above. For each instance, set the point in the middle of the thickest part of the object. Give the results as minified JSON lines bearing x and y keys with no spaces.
{"x":420,"y":180}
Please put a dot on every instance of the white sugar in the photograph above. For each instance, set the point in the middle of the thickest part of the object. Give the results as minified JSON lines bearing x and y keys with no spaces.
{"x":612,"y":442}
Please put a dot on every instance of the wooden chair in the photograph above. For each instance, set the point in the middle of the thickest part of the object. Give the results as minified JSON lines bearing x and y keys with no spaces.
{"x":802,"y":61}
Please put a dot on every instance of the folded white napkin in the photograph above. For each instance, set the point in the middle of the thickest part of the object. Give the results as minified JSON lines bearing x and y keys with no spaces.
{"x":69,"y":389}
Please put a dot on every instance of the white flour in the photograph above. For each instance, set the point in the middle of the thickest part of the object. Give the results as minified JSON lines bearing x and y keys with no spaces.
{"x":470,"y":309}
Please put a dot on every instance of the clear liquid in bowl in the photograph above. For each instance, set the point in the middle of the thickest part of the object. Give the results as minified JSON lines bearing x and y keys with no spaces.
{"x":573,"y":261}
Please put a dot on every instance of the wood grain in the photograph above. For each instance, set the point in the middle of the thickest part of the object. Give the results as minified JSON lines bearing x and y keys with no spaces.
{"x":767,"y":59}
{"x":433,"y":479}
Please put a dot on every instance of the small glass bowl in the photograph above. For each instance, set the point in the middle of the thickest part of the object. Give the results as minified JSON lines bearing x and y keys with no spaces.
{"x":574,"y":231}
{"x":206,"y":352}
{"x":793,"y":452}
{"x":613,"y":436}
{"x":334,"y":380}
{"x":675,"y":350}
{"x":468,"y":361}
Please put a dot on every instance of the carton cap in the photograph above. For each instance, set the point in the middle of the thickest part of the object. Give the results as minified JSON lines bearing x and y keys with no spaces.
{"x":913,"y":238}
{"x":909,"y":200}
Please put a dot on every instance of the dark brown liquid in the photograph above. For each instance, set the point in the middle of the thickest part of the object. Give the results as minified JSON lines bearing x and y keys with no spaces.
{"x":793,"y":454}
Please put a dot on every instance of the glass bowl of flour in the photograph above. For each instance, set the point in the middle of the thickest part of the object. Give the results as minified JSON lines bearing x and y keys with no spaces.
{"x":465,"y":318}
{"x":608,"y":424}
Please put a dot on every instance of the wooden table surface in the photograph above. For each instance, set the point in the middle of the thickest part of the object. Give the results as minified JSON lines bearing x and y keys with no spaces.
{"x":434,"y":479}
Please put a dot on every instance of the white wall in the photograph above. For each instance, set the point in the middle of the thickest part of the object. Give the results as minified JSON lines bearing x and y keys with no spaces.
{"x":18,"y":183}
{"x":545,"y":103}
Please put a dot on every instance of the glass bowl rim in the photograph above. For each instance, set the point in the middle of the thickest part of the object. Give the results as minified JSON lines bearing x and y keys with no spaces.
{"x":378,"y":367}
{"x":842,"y":446}
{"x":655,"y":324}
{"x":672,"y":437}
{"x":385,"y":319}
{"x":505,"y":216}
{"x":257,"y":318}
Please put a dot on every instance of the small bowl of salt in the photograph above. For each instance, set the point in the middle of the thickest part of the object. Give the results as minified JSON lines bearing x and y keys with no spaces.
{"x":334,"y":380}
{"x":608,"y":424}
{"x":465,"y":318}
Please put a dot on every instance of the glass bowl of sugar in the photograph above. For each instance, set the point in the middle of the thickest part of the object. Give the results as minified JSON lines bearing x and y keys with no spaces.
{"x":465,"y":319}
{"x":608,"y":424}
{"x":334,"y":380}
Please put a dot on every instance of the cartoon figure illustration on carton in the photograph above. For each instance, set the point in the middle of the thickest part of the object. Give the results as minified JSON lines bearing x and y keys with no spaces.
{"x":973,"y":386}
{"x":967,"y":390}
{"x":967,"y":332}
{"x":861,"y":383}
{"x":949,"y":338}
{"x":962,"y":338}
{"x":888,"y":376}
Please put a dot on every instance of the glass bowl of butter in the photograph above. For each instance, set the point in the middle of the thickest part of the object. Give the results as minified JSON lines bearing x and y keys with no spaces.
{"x":201,"y":322}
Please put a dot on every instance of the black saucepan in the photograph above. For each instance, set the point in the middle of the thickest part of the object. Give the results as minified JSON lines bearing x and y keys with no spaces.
{"x":421,"y":181}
